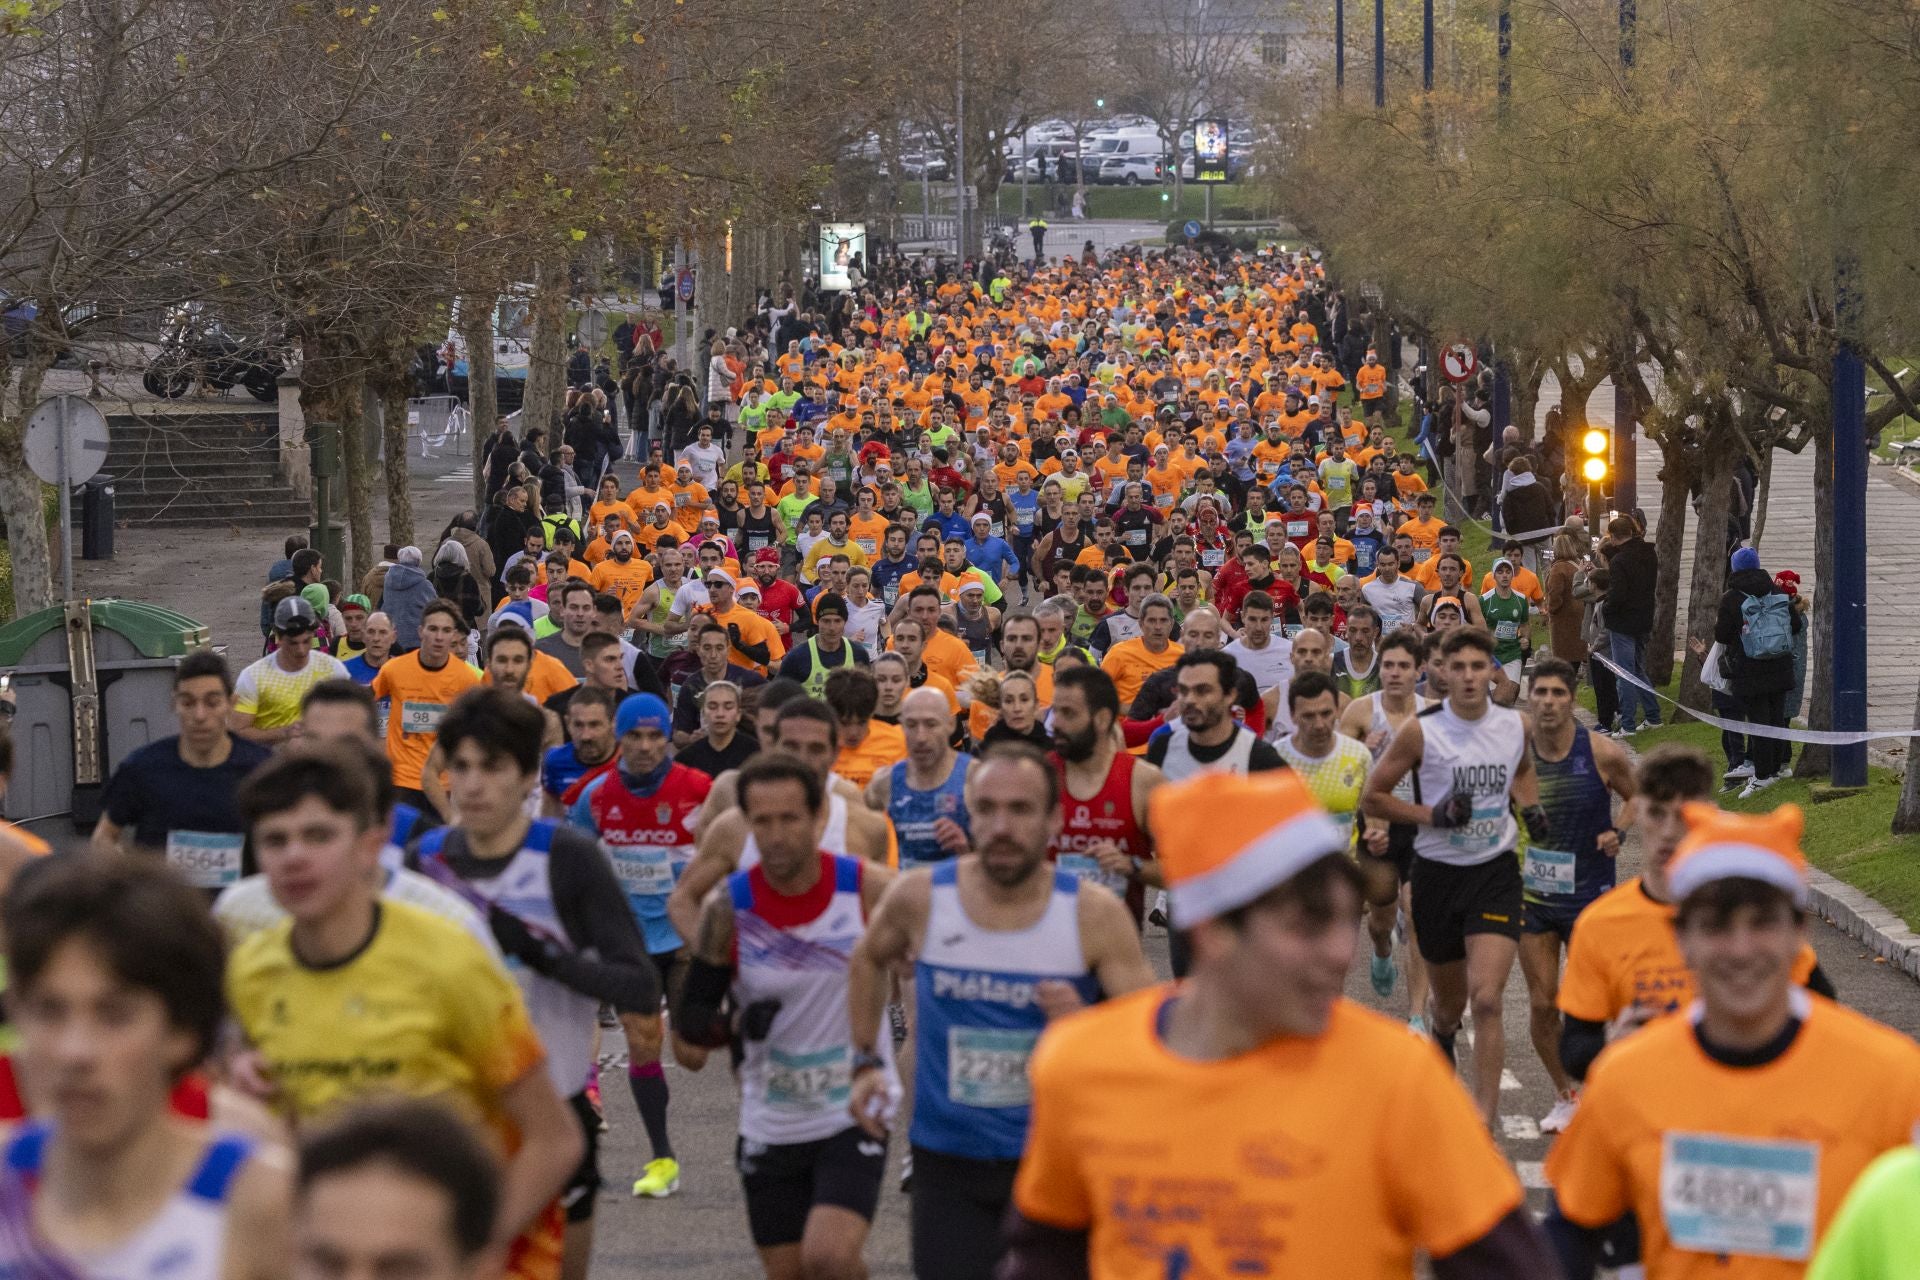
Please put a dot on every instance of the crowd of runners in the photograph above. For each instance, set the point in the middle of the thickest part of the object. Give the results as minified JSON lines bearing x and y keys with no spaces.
{"x":860,"y":743}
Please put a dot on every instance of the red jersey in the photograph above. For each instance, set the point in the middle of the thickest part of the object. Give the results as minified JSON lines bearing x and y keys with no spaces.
{"x":1108,"y":815}
{"x":650,"y":838}
{"x":779,"y":601}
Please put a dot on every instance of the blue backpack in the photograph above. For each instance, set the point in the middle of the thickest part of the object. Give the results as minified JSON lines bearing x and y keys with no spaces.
{"x":1766,"y":626}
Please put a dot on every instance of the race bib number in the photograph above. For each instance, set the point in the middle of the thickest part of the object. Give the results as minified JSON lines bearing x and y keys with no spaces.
{"x":987,"y":1066}
{"x":1485,"y":832}
{"x":1082,"y":866}
{"x":809,"y":1082}
{"x":1297,"y":528}
{"x":205,"y":859}
{"x":1744,"y":1196}
{"x":1507,"y":629}
{"x":421,"y":717}
{"x":644,"y":871}
{"x":383,"y":714}
{"x":1214,"y":557}
{"x":1547,"y":872}
{"x":1344,"y":821}
{"x":1422,"y":554}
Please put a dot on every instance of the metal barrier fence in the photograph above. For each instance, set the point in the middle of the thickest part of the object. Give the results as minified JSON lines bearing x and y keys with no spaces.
{"x":437,"y":422}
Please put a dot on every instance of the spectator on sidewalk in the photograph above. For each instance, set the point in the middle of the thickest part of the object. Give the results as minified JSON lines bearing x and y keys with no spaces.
{"x":404,"y":596}
{"x":1564,"y":611}
{"x":1756,"y":628}
{"x":1632,"y":572}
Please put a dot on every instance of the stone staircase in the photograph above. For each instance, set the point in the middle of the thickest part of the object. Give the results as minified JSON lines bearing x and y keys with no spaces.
{"x":199,"y":468}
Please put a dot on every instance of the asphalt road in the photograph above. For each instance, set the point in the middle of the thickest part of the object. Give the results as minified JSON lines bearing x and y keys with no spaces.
{"x":700,"y":1234}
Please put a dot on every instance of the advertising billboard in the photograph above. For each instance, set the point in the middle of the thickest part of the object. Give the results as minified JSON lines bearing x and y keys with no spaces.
{"x":840,"y":244}
{"x":1210,"y":151}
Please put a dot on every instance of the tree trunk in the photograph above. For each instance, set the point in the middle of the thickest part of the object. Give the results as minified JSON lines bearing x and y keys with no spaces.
{"x":21,"y":501}
{"x":1709,"y":564}
{"x":1526,"y":399}
{"x":1906,"y":815}
{"x":355,"y":466}
{"x":1815,"y":759}
{"x":1762,"y":489}
{"x":547,"y":361}
{"x":1669,"y":534}
{"x":392,"y":386}
{"x":483,"y":402}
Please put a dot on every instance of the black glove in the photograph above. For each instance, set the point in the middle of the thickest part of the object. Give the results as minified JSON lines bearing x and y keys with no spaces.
{"x":1454,"y":811}
{"x":756,"y":1020}
{"x":523,"y":944}
{"x":1539,"y":826}
{"x":733,"y":634}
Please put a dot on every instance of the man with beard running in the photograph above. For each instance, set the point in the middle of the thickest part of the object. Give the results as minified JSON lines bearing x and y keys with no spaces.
{"x":1105,"y":790}
{"x":644,"y":810}
{"x":1568,"y":865}
{"x":1000,"y":943}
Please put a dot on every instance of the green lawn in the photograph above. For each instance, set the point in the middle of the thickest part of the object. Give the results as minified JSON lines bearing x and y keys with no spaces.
{"x":1900,"y":429}
{"x":1231,"y":202}
{"x":1848,"y":837}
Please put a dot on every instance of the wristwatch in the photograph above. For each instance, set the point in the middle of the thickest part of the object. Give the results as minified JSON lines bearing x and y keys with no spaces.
{"x":864,"y":1061}
{"x":1139,"y":867}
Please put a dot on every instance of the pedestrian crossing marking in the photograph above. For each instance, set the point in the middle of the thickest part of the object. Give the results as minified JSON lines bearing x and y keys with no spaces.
{"x":1520,"y":1128}
{"x":1533,"y":1174}
{"x":1508,"y":1081}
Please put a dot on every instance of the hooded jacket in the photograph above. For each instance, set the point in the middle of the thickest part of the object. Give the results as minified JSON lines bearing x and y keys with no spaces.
{"x":1750,"y":676}
{"x":403,"y":597}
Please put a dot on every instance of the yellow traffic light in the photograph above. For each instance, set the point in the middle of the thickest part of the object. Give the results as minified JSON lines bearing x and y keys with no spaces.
{"x":1595,"y":442}
{"x":1594,"y":470}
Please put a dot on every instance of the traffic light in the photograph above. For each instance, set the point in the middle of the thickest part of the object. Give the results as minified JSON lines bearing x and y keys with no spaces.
{"x":1100,"y":103}
{"x":1596,"y":446}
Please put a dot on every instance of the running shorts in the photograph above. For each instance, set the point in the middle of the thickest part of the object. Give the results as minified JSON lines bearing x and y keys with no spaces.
{"x":783,"y":1182}
{"x":1452,"y":902}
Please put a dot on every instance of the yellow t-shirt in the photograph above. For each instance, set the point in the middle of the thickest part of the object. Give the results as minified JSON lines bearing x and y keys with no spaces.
{"x":419,"y":698}
{"x":1335,"y":779}
{"x":272,"y":695}
{"x":421,"y":1011}
{"x":1295,"y":1150}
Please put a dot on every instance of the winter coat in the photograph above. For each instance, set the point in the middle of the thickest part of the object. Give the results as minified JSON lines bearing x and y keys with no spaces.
{"x":403,"y":598}
{"x":1527,"y":508}
{"x":1564,"y":615}
{"x":1751,"y":676}
{"x":1633,"y":570}
{"x":480,"y":561}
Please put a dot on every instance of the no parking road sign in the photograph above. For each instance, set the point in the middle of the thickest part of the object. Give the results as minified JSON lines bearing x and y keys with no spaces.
{"x":1458,"y":362}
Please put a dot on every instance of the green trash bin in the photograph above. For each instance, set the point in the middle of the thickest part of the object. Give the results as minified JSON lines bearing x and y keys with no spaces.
{"x":95,"y":683}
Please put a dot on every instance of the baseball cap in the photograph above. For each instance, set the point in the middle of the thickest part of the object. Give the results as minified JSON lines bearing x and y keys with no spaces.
{"x":359,"y":602}
{"x":294,"y":614}
{"x":642,"y":709}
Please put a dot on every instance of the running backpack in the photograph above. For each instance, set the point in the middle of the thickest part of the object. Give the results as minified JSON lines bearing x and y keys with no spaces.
{"x":1766,"y":626}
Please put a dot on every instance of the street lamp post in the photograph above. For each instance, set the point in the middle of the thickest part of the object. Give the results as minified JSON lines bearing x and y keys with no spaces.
{"x":1339,"y":47}
{"x":1626,"y":469}
{"x":1426,"y":45}
{"x":1379,"y":54}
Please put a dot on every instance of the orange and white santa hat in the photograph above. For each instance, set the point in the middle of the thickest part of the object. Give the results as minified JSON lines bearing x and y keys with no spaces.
{"x":1224,"y":839}
{"x":1746,"y":846}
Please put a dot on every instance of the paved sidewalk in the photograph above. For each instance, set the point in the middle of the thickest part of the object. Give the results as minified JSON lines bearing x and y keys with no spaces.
{"x":1893,"y":528}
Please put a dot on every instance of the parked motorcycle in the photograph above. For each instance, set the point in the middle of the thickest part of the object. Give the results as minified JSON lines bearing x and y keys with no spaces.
{"x":197,"y":352}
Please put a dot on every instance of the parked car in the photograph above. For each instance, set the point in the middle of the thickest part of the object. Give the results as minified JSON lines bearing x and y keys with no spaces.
{"x":1132,"y":170}
{"x":17,"y":316}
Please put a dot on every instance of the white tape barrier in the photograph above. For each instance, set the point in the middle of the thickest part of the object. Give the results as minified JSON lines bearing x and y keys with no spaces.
{"x":1821,"y":737}
{"x":1498,"y":536}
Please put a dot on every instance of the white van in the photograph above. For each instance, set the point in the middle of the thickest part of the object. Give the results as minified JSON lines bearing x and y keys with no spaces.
{"x":1119,"y":147}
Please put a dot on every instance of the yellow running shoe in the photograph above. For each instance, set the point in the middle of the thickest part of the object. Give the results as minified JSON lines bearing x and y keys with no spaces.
{"x":660,"y":1179}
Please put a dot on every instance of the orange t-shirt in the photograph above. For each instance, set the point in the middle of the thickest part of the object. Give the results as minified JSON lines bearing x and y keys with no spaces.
{"x":1296,"y":1150}
{"x":419,"y":697}
{"x":1624,"y":953}
{"x":884,"y":746}
{"x":625,"y":580}
{"x":1129,"y":664}
{"x":1670,"y":1135}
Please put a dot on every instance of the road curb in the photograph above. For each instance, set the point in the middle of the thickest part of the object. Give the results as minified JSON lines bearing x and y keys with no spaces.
{"x":1867,"y":921}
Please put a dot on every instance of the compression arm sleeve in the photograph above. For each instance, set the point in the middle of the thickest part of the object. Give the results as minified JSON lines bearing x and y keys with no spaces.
{"x":1036,"y":1251}
{"x":609,"y":961}
{"x":1580,"y":1043}
{"x":1513,"y":1250}
{"x":697,"y":1017}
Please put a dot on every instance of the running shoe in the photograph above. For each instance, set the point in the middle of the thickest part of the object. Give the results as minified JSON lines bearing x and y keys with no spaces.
{"x":1561,"y":1116}
{"x":1742,"y":770}
{"x":1756,"y":785}
{"x":593,"y":1101}
{"x":1417,"y":1024}
{"x":1382,"y":973}
{"x":660,"y":1179}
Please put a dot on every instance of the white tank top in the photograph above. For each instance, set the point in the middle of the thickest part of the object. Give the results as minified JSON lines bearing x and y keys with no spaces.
{"x":795,"y":1083}
{"x":185,"y":1240}
{"x":1381,"y":723}
{"x":833,"y":839}
{"x":1180,"y":763}
{"x":1477,"y":758}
